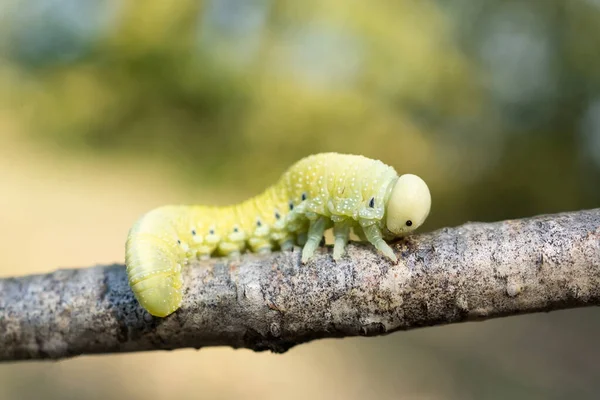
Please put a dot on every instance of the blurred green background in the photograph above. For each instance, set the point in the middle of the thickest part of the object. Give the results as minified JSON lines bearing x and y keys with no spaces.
{"x":110,"y":108}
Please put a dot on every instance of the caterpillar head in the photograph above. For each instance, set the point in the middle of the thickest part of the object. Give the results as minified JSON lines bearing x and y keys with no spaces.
{"x":408,"y":206}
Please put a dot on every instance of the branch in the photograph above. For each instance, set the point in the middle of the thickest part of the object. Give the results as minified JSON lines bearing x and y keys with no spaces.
{"x":472,"y":272}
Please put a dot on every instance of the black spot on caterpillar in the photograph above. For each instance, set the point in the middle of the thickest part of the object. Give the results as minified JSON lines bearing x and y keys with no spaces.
{"x":346,"y":192}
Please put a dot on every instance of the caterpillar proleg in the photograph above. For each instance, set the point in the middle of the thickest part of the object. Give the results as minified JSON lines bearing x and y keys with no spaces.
{"x":330,"y":190}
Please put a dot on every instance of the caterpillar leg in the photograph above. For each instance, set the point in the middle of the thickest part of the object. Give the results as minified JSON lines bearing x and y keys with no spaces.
{"x":341,"y":232}
{"x":358,"y":231}
{"x":373,"y":234}
{"x":301,"y":239}
{"x":287,"y":245}
{"x":315,"y":234}
{"x":260,"y":245}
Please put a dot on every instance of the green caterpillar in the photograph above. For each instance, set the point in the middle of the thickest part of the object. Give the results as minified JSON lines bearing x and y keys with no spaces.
{"x":346,"y":192}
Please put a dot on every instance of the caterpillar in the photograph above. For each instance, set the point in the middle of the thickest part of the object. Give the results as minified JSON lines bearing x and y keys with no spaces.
{"x":329,"y":190}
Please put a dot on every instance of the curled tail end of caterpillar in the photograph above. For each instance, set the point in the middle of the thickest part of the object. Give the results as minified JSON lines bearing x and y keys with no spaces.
{"x":160,"y":296}
{"x":154,"y":255}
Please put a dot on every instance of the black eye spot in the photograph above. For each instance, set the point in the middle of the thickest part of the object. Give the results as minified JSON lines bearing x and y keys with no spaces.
{"x":277,"y":216}
{"x":372,"y":202}
{"x":291,"y":206}
{"x":212,"y":232}
{"x":408,"y":223}
{"x":303,"y":196}
{"x":178,"y":241}
{"x":258,"y":223}
{"x":194,"y":232}
{"x":236,"y":229}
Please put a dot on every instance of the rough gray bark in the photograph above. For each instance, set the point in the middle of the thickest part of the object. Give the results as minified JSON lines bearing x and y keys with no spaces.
{"x":472,"y":272}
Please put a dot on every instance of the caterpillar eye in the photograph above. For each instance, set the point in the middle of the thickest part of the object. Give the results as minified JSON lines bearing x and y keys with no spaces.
{"x":303,"y":196}
{"x":291,"y":206}
{"x":277,"y":215}
{"x":211,"y":232}
{"x":372,"y":204}
{"x":236,"y":230}
{"x":409,"y":223}
{"x":258,"y":223}
{"x":178,"y":241}
{"x":194,"y":232}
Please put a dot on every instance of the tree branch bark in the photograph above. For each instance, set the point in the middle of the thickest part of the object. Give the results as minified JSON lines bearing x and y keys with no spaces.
{"x":472,"y":272}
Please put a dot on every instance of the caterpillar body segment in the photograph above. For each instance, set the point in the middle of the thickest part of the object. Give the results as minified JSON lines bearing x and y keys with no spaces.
{"x":329,"y":190}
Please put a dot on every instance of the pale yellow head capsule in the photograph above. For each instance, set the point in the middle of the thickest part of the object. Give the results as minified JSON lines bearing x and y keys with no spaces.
{"x":408,"y":205}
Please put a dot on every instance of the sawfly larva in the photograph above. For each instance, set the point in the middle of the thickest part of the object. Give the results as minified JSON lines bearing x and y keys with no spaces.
{"x":346,"y":192}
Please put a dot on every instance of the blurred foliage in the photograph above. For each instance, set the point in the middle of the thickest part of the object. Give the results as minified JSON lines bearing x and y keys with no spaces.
{"x":495,"y":103}
{"x":482,"y":99}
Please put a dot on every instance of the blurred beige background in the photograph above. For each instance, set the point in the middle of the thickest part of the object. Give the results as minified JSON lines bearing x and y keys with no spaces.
{"x":110,"y":108}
